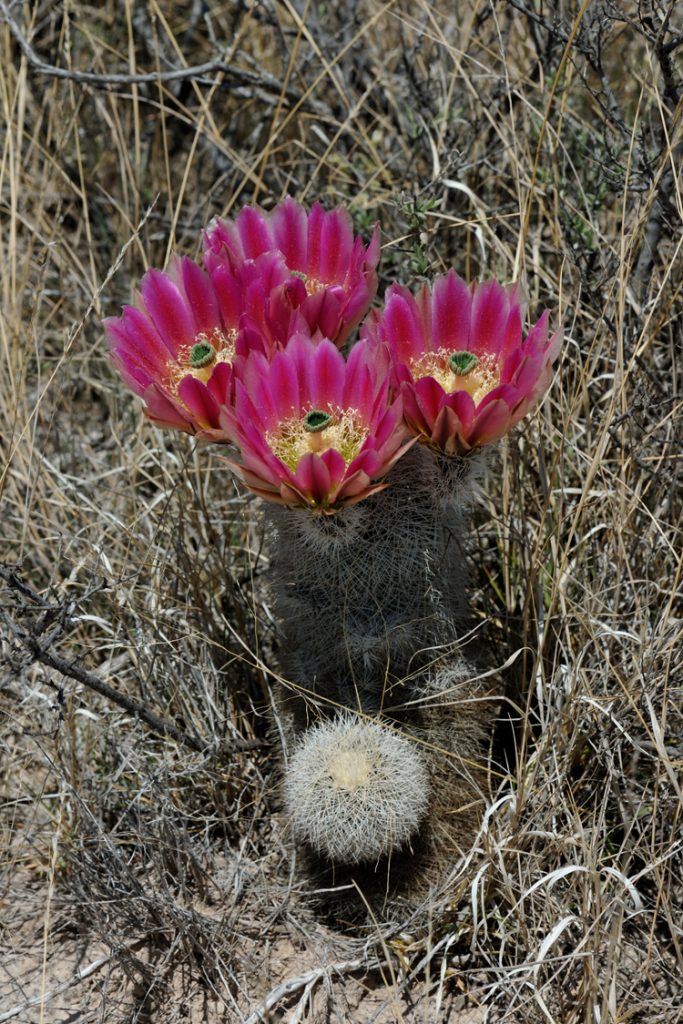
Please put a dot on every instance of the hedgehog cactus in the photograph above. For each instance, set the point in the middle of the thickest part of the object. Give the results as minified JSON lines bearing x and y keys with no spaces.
{"x":367,"y":463}
{"x":355,"y":790}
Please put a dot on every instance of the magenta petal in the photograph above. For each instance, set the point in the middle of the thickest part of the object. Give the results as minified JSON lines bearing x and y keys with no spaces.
{"x":490,"y":424}
{"x":452,"y":303}
{"x":196,"y":396}
{"x":326,"y":380}
{"x":219,"y":383}
{"x":430,"y":397}
{"x":536,"y":340}
{"x":254,"y":232}
{"x":290,"y":233}
{"x":135,"y":337}
{"x":314,"y":246}
{"x":359,"y":385}
{"x":336,"y":244}
{"x":283,"y":385}
{"x":412,"y":412}
{"x":448,"y":432}
{"x":162,"y":411}
{"x":489,"y":315}
{"x":368,"y":461}
{"x":402,"y":326}
{"x":553,"y":347}
{"x":329,"y":313}
{"x":200,"y":296}
{"x":512,"y":333}
{"x":314,"y":478}
{"x":168,"y":309}
{"x":356,"y":484}
{"x":525,"y":375}
{"x":222,"y":244}
{"x":336,"y":466}
{"x":389,"y":425}
{"x":228,"y":291}
{"x":373,"y":251}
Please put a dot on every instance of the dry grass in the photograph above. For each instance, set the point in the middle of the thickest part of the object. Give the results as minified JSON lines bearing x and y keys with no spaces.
{"x":545,"y":144}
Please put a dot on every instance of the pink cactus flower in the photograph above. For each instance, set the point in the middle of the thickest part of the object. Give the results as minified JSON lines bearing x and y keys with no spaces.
{"x":176,"y":346}
{"x":314,"y":429}
{"x":465,"y":372}
{"x":337,"y":275}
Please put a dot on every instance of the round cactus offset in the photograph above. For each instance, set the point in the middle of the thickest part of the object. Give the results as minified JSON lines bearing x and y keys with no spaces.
{"x":355,"y":790}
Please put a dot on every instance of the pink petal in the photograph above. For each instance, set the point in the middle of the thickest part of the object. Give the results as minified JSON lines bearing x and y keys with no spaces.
{"x":451,"y":308}
{"x":326,"y":379}
{"x":222,"y":244}
{"x":314,"y":241}
{"x":512,"y":332}
{"x":228,"y":291}
{"x":490,"y":424}
{"x":402,"y":327}
{"x":336,"y":466}
{"x":329,"y":310}
{"x":290,"y":227}
{"x":448,"y":432}
{"x":200,"y":296}
{"x":373,"y":252}
{"x":134,"y":338}
{"x":336,"y":245}
{"x":162,"y":411}
{"x":168,"y":309}
{"x":430,"y":397}
{"x":196,"y":396}
{"x":314,"y":478}
{"x":412,"y":412}
{"x":554,"y":345}
{"x":219,"y":383}
{"x":489,"y":317}
{"x":283,"y":385}
{"x":254,"y":232}
{"x":359,"y":384}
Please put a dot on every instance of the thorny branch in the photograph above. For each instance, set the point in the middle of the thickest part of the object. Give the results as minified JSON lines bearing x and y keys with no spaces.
{"x":196,"y":71}
{"x":38,"y":644}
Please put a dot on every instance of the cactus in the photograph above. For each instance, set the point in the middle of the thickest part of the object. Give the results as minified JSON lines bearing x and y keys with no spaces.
{"x":355,"y":790}
{"x":367,"y":595}
{"x":371,"y":602}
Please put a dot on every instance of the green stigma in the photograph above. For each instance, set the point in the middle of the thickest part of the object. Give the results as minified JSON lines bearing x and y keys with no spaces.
{"x":316,"y":420}
{"x":202,"y":354}
{"x":462,"y":363}
{"x":299,"y":273}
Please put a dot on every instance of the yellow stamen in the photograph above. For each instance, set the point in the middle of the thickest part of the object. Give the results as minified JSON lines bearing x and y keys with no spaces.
{"x":478,"y":381}
{"x":313,"y":285}
{"x":223,"y":345}
{"x":293,"y":439}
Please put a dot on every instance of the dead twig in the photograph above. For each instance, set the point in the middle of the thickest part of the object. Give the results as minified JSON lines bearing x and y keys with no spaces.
{"x":31,"y":639}
{"x":215,"y":66}
{"x":306,"y":981}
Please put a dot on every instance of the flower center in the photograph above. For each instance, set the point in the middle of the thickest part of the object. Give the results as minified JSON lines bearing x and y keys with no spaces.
{"x":318,"y":431}
{"x":458,"y":371}
{"x":316,"y":420}
{"x":199,"y":359}
{"x":202,"y":354}
{"x":349,"y":769}
{"x":313,"y":286}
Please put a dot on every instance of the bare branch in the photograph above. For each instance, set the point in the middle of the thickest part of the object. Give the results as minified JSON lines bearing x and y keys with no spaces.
{"x":217,"y":65}
{"x":30,"y":639}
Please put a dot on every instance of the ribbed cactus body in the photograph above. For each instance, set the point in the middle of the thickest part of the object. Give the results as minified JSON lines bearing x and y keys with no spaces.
{"x":366,"y":595}
{"x":385,"y":726}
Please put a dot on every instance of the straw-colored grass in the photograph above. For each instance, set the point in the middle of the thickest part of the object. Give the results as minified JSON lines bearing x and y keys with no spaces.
{"x":141,"y":880}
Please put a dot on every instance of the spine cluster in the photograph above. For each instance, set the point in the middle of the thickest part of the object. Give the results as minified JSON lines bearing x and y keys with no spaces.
{"x":371,"y":602}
